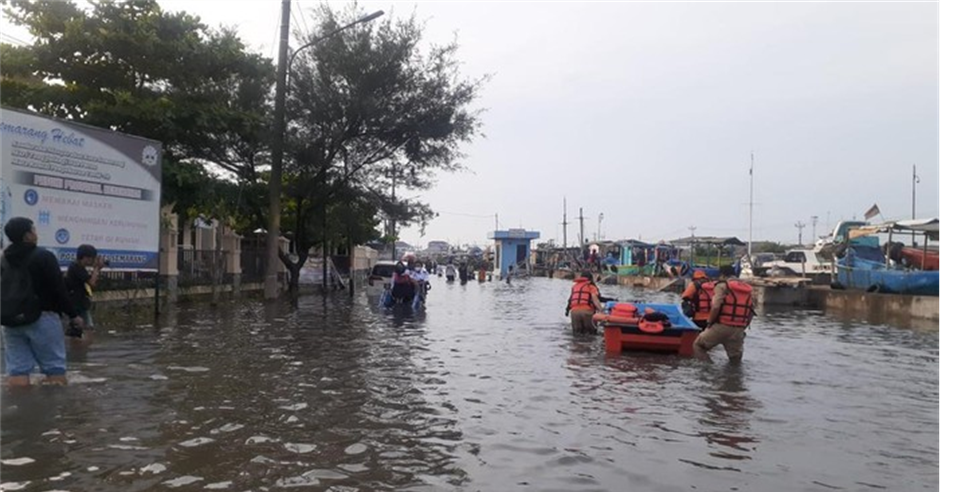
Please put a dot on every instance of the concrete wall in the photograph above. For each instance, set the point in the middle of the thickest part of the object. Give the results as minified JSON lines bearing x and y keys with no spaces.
{"x":654,"y":283}
{"x":875,"y":308}
{"x":113,"y":298}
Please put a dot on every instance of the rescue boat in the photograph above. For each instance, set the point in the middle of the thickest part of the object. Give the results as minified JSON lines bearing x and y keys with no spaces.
{"x":647,"y":327}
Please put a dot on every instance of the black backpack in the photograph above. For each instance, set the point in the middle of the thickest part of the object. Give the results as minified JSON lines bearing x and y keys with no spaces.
{"x":19,"y":304}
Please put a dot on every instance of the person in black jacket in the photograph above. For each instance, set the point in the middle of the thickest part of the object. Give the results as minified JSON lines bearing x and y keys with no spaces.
{"x":41,"y":342}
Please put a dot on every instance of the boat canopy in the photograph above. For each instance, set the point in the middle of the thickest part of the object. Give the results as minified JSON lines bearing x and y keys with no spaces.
{"x":929,"y":227}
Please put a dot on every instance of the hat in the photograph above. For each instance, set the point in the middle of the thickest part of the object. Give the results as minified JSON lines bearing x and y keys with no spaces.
{"x":699,"y":274}
{"x":16,"y":228}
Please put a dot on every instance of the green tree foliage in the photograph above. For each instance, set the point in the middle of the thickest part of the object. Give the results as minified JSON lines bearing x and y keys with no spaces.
{"x":369,"y":110}
{"x":131,"y":67}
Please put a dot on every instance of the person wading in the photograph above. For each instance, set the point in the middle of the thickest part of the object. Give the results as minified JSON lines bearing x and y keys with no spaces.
{"x":731,"y":313}
{"x":584,"y":301}
{"x":33,"y":296}
{"x":696,"y":300}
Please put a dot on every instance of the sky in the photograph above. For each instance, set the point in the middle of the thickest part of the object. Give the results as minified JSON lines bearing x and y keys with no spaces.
{"x":648,"y":114}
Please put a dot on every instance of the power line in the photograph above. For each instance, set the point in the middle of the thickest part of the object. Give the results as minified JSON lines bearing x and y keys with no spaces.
{"x":466,"y":215}
{"x":13,"y":40}
{"x":298,"y":28}
{"x":301,"y":14}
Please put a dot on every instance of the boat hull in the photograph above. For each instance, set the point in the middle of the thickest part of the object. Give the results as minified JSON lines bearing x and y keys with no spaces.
{"x":870,"y":276}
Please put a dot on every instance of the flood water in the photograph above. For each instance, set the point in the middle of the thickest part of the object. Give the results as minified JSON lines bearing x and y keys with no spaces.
{"x":486,"y":391}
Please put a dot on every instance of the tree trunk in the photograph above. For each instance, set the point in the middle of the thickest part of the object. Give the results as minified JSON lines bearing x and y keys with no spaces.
{"x":295,"y":267}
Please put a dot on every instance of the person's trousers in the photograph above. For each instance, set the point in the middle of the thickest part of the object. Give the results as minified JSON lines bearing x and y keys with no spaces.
{"x":40,"y":343}
{"x":730,"y":337}
{"x":582,"y":321}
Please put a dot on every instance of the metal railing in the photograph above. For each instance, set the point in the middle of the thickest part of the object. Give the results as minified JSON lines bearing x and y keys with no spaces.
{"x":201,"y":267}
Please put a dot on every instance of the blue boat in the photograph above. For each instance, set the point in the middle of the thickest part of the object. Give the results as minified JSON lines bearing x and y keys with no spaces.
{"x":864,"y":265}
{"x":857,"y":272}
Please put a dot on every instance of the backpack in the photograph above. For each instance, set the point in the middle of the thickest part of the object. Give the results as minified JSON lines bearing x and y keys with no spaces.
{"x":19,"y":304}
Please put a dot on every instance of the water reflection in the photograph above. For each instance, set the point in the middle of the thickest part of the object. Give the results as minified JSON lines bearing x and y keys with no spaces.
{"x":729,"y":409}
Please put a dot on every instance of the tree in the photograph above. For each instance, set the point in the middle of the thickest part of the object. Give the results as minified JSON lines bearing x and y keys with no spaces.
{"x":369,"y":111}
{"x":131,"y":67}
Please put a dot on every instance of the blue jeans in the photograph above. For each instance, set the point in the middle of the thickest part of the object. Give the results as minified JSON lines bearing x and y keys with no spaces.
{"x":40,"y":343}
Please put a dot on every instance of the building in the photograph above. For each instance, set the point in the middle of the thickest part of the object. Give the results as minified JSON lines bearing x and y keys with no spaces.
{"x":512,"y":248}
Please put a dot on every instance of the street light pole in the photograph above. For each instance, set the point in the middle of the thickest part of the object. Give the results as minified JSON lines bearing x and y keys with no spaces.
{"x":278,"y":144}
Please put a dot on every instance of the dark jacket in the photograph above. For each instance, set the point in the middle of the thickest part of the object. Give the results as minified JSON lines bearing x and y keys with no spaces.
{"x":47,"y":278}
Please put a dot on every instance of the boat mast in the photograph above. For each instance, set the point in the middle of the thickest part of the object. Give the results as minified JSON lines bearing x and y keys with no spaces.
{"x":749,"y":246}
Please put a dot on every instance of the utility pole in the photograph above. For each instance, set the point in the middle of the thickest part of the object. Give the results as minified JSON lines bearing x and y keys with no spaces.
{"x":565,"y":224}
{"x":692,"y":243}
{"x":600,"y":219}
{"x":915,"y":180}
{"x":394,"y":232}
{"x":815,"y":219}
{"x":583,"y":246}
{"x":275,"y":177}
{"x":800,"y":226}
{"x":749,"y":245}
{"x":495,"y":222}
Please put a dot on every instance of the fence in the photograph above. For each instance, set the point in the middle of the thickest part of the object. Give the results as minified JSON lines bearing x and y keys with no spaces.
{"x":201,"y":267}
{"x":110,"y":280}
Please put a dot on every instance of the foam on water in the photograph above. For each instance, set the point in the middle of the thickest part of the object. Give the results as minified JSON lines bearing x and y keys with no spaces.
{"x":300,"y":448}
{"x":18,"y":461}
{"x":199,"y":441}
{"x":184,"y":480}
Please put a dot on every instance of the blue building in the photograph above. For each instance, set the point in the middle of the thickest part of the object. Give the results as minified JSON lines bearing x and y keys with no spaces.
{"x":511,"y":247}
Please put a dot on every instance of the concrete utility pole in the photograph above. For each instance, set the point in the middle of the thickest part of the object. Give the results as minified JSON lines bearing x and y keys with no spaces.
{"x":583,"y":245}
{"x":915,"y":180}
{"x":692,"y":242}
{"x":565,"y":224}
{"x":800,"y":226}
{"x":815,"y":219}
{"x":600,"y":220}
{"x":278,"y":149}
{"x":749,"y":244}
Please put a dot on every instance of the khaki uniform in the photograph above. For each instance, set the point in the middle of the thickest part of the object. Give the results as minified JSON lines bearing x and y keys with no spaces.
{"x":582,"y":321}
{"x":730,"y":337}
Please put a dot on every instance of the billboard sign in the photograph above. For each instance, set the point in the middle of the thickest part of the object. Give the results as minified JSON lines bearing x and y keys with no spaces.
{"x":82,"y":185}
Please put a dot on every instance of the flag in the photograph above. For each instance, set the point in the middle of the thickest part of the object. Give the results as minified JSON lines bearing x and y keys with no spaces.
{"x":873,"y":211}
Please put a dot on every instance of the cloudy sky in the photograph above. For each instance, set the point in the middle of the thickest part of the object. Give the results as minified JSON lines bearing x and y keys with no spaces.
{"x":647,"y":112}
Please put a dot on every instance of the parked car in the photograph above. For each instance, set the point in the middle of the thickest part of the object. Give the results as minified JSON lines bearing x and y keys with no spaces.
{"x":380,"y":277}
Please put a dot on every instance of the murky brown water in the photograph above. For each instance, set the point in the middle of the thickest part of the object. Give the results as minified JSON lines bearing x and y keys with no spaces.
{"x":486,"y":391}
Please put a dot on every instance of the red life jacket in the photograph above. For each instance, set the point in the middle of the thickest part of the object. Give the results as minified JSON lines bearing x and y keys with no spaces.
{"x":582,"y":295}
{"x":737,"y":307}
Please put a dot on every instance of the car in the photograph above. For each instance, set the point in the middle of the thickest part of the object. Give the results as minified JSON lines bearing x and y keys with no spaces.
{"x":380,"y":277}
{"x":798,"y":261}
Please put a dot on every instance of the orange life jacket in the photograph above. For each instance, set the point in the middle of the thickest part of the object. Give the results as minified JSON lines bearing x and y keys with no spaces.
{"x":702,"y":300}
{"x":737,"y":307}
{"x":582,"y":295}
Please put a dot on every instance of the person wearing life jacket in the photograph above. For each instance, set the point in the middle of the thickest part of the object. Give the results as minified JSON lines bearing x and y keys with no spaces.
{"x":697,"y":300}
{"x":730,"y":314}
{"x":584,"y":301}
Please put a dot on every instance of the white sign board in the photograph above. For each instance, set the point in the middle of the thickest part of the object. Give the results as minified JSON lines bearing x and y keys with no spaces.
{"x":82,"y":185}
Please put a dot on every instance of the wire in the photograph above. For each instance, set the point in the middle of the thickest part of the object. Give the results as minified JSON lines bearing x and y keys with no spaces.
{"x":301,"y":14}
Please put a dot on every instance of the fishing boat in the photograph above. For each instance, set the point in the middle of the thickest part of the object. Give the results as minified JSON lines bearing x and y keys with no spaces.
{"x":864,"y":265}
